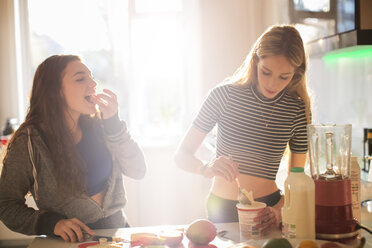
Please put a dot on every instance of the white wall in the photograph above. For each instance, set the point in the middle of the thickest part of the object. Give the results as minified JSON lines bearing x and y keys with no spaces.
{"x":342,"y":94}
{"x":229,"y":30}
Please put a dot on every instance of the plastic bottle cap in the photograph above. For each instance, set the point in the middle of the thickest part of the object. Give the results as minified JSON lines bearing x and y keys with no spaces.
{"x":297,"y":169}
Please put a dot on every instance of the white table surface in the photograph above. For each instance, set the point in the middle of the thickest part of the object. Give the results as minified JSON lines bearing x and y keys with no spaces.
{"x":232,"y":237}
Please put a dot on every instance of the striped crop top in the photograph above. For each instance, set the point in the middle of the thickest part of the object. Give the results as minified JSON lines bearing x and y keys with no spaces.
{"x":254,"y":130}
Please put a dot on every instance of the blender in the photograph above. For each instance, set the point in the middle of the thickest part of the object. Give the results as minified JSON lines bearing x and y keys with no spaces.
{"x":329,"y":150}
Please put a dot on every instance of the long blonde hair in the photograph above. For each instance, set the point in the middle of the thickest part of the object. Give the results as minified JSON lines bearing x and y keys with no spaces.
{"x":278,"y":40}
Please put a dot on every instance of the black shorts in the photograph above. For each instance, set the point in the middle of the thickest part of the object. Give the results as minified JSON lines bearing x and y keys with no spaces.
{"x":221,"y":210}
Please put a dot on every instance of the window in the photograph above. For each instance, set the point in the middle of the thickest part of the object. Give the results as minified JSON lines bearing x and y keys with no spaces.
{"x":157,"y":68}
{"x":134,"y":47}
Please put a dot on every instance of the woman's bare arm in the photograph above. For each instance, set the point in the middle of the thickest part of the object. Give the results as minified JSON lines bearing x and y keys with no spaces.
{"x":185,"y":154}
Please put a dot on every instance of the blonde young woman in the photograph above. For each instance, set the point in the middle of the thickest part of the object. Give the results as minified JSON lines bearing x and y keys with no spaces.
{"x":263,"y":108}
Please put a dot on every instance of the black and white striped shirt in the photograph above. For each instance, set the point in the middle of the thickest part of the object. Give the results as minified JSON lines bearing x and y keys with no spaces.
{"x":252,"y":129}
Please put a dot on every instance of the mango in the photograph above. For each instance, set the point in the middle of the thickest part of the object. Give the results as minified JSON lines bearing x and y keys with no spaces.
{"x":201,"y":232}
{"x":172,"y":238}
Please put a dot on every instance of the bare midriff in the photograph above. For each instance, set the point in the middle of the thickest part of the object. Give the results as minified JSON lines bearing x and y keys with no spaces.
{"x":259,"y":186}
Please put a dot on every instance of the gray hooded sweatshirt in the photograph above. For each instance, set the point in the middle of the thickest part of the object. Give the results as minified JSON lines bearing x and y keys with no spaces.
{"x":29,"y":168}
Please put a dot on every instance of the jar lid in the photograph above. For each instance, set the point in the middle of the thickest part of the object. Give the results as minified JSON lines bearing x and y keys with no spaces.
{"x":297,"y":169}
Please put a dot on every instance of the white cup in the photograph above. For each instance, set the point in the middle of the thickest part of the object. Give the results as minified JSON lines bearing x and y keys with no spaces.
{"x":247,"y":225}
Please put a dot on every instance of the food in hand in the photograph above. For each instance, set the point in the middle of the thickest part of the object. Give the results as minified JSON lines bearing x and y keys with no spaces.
{"x":171,"y":238}
{"x":307,"y":244}
{"x":277,"y":243}
{"x":201,"y":232}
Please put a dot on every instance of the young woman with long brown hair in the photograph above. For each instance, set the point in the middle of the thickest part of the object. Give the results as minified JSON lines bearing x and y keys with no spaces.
{"x":70,"y":156}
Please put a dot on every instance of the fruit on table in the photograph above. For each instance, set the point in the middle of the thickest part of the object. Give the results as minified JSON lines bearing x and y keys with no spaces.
{"x":307,"y":244}
{"x":201,"y":231}
{"x":277,"y":243}
{"x":171,"y":238}
{"x":146,"y":239}
{"x":192,"y":245}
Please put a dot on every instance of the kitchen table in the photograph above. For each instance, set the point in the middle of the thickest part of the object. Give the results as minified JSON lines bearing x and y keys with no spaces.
{"x":232,"y":237}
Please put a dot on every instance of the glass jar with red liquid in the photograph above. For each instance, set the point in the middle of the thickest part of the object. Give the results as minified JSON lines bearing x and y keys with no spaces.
{"x":330,"y":160}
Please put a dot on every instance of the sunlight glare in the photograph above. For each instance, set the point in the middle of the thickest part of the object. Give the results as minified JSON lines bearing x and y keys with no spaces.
{"x":72,"y":24}
{"x":158,"y":5}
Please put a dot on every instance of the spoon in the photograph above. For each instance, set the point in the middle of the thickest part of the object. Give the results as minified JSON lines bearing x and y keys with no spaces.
{"x":242,"y":198}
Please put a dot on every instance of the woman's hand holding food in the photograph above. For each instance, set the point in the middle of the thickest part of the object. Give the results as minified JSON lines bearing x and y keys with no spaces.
{"x":223,"y":167}
{"x":71,"y":230}
{"x":107,"y":103}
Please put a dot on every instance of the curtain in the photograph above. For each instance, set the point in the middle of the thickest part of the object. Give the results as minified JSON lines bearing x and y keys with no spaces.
{"x":15,"y":74}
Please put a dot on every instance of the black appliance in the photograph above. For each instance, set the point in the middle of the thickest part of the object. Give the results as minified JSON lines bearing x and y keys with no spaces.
{"x":329,"y":25}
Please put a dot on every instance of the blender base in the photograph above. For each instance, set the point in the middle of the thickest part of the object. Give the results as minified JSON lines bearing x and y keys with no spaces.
{"x":344,"y":238}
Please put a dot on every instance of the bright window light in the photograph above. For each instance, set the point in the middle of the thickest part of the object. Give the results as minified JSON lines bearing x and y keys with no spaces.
{"x":140,"y":57}
{"x":75,"y":25}
{"x":312,"y":5}
{"x":158,"y":5}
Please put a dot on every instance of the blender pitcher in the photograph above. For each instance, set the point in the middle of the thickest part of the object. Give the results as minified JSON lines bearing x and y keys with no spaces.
{"x":329,"y":150}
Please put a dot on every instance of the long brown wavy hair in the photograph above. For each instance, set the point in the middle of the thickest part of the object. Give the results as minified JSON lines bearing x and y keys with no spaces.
{"x":47,"y":113}
{"x":278,"y":40}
